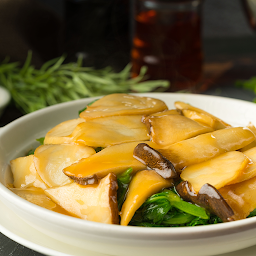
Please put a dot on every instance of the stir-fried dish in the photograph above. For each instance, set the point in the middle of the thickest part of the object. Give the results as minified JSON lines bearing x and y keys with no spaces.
{"x":130,"y":160}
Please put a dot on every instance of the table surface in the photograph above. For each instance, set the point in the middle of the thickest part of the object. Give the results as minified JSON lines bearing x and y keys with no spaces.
{"x":226,"y":61}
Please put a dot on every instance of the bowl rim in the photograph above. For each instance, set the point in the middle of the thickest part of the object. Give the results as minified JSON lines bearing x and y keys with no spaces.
{"x":118,"y":230}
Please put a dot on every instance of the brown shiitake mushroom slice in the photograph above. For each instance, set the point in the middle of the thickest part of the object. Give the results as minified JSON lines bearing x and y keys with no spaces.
{"x":154,"y":160}
{"x":50,"y":160}
{"x":96,"y":202}
{"x":116,"y":159}
{"x":90,"y":180}
{"x":209,"y":198}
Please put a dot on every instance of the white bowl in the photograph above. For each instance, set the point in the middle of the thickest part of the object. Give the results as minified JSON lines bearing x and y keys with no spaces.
{"x":5,"y":98}
{"x":19,"y":136}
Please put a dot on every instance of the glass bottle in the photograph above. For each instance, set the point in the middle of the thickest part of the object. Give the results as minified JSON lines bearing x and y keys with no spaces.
{"x":167,"y":39}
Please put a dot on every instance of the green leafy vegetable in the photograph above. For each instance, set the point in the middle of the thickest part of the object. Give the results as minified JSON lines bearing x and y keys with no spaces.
{"x":167,"y":209}
{"x":98,"y":149}
{"x":57,"y":82}
{"x":123,"y":181}
{"x":41,"y":140}
{"x":32,"y":151}
{"x":198,"y":221}
{"x":89,"y":104}
{"x":125,"y":177}
{"x":252,"y":214}
{"x":156,"y":211}
{"x":178,"y":218}
{"x":178,"y":203}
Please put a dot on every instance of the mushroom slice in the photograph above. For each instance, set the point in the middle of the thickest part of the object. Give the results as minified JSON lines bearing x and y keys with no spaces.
{"x":154,"y":160}
{"x":145,"y":119}
{"x":107,"y":131}
{"x":203,"y":119}
{"x":209,"y":198}
{"x":116,"y":159}
{"x":91,"y":202}
{"x":206,"y":146}
{"x":252,"y":144}
{"x":166,"y":112}
{"x":168,"y":129}
{"x":50,"y":160}
{"x":61,"y":133}
{"x":162,"y":113}
{"x":218,"y":172}
{"x":218,"y":124}
{"x":38,"y":197}
{"x":143,"y":185}
{"x":250,"y":171}
{"x":118,"y":104}
{"x":251,"y":153}
{"x":241,"y":197}
{"x":25,"y":174}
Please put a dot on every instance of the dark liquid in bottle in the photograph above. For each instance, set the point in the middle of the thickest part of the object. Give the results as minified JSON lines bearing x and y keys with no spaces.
{"x":170,"y":46}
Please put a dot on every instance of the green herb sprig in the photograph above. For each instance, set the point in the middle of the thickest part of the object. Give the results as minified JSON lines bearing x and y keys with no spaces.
{"x":57,"y":82}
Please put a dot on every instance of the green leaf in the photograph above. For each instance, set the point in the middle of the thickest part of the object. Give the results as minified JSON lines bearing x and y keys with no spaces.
{"x":168,"y":209}
{"x":26,"y":64}
{"x":252,"y":214}
{"x":178,"y":203}
{"x":89,"y":104}
{"x":41,"y":140}
{"x":30,"y":152}
{"x":178,"y":218}
{"x":156,"y":211}
{"x":192,"y":209}
{"x":123,"y":181}
{"x":199,"y":221}
{"x":125,"y":177}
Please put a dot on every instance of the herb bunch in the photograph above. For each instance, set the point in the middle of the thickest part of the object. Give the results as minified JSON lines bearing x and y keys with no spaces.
{"x":56,"y":82}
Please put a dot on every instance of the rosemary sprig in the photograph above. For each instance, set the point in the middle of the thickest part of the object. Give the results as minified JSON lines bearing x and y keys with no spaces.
{"x":57,"y":82}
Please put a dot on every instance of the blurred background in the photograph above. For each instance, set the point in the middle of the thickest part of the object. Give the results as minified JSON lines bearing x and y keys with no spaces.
{"x":101,"y":30}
